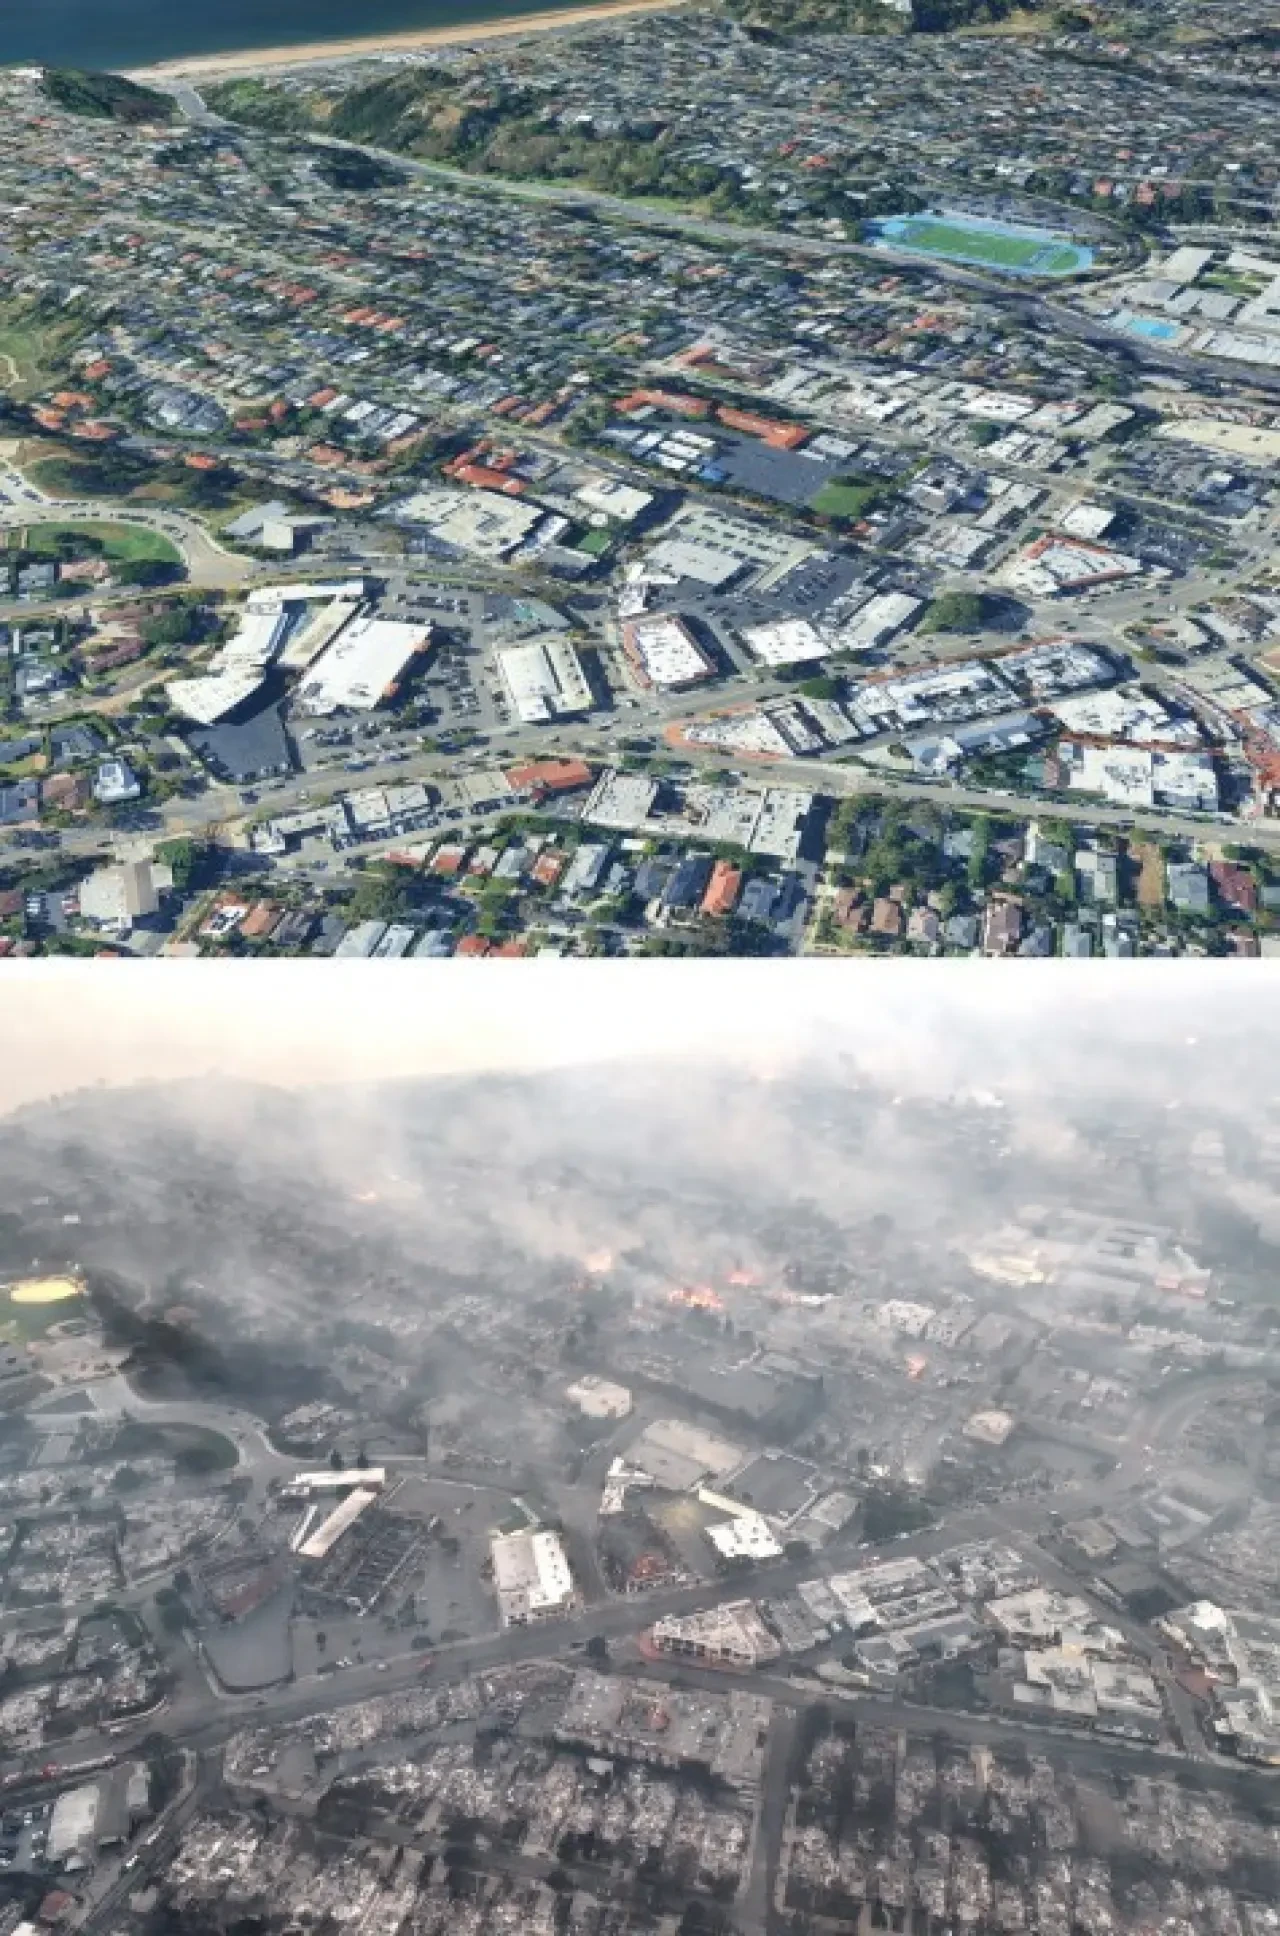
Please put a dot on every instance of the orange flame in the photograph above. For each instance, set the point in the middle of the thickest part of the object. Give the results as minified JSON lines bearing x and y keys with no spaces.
{"x":696,"y":1297}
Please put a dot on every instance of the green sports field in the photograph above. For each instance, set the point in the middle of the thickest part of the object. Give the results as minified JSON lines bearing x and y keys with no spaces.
{"x":985,"y":244}
{"x":988,"y":245}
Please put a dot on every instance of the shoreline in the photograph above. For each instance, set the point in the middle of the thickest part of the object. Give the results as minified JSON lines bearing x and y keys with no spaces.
{"x":369,"y":46}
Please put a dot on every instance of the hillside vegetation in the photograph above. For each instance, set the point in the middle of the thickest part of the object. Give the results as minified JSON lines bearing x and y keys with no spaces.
{"x":105,"y":97}
{"x":467,"y":121}
{"x":483,"y":128}
{"x":790,"y":18}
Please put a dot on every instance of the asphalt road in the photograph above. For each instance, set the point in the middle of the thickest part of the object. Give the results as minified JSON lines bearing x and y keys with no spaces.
{"x":756,"y":1898}
{"x":217,"y":812}
{"x":1083,"y":1750}
{"x":596,"y":740}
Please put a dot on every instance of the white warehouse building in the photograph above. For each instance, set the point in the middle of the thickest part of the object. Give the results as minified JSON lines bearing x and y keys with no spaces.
{"x":544,"y":679}
{"x":360,"y":668}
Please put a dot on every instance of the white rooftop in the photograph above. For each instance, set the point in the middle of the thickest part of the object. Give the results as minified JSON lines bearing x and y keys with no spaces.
{"x":530,"y":1573}
{"x":209,"y":698}
{"x":545,"y":679}
{"x":664,"y":650}
{"x":360,"y":668}
{"x":344,"y":1516}
{"x":790,"y":641}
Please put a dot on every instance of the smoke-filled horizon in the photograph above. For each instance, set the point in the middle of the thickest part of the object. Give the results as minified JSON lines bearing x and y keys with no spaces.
{"x":509,"y":1129}
{"x":65,"y":1027}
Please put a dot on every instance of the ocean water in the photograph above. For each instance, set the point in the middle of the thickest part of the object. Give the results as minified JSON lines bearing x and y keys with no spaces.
{"x":133,"y":33}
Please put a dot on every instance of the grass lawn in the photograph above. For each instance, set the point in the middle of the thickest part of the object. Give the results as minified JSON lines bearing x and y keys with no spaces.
{"x":1010,"y":28}
{"x":594,"y":543}
{"x":24,"y":769}
{"x":841,"y":500}
{"x":123,"y":544}
{"x":1244,"y":286}
{"x":31,"y":353}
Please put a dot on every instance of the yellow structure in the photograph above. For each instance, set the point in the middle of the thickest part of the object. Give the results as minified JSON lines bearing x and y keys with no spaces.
{"x":45,"y":1290}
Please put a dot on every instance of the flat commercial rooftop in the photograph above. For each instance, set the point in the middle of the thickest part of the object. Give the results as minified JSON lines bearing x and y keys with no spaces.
{"x":681,"y":1456}
{"x":1252,"y":442}
{"x":664,"y":652}
{"x":545,"y":679}
{"x":777,"y":1483}
{"x":724,"y":1733}
{"x":530,"y":1574}
{"x":320,"y":630}
{"x":211,"y":696}
{"x":791,"y":641}
{"x":360,"y":668}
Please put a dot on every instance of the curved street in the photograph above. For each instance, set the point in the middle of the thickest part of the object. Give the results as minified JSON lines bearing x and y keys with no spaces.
{"x":209,"y":565}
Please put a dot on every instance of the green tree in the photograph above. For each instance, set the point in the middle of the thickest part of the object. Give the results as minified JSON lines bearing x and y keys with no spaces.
{"x":151,"y":571}
{"x":980,"y":852}
{"x":955,"y":612}
{"x":182,"y":622}
{"x":495,"y":901}
{"x":105,"y":97}
{"x":382,"y":895}
{"x":190,"y":861}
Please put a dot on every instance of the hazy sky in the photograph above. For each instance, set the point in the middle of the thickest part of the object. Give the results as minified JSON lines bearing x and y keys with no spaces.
{"x":65,"y":1025}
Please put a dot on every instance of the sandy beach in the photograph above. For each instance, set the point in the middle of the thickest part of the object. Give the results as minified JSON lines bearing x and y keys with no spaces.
{"x":212,"y":67}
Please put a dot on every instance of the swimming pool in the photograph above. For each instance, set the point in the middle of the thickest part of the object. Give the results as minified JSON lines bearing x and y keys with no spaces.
{"x":1154,"y":328}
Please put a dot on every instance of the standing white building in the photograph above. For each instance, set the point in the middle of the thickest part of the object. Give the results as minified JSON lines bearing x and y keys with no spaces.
{"x":116,"y":897}
{"x":531,"y":1576}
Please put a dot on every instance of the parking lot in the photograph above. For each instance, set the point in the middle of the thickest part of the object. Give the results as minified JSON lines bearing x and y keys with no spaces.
{"x":24,"y":1832}
{"x":458,"y":697}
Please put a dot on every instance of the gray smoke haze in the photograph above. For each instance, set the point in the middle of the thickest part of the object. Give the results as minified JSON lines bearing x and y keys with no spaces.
{"x":257,"y":1134}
